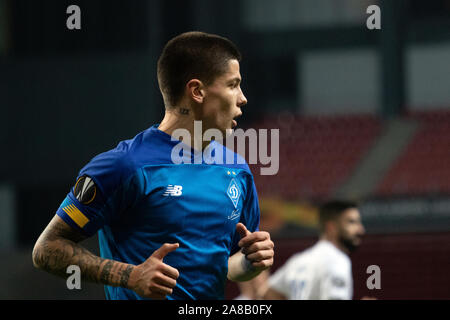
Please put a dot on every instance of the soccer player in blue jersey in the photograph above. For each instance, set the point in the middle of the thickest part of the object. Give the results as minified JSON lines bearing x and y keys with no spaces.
{"x":167,"y":230}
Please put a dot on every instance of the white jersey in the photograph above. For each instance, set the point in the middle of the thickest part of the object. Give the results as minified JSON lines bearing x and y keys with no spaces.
{"x":321,"y":272}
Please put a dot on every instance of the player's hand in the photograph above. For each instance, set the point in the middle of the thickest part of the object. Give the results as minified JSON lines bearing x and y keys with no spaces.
{"x":153,"y":278}
{"x":257,"y":247}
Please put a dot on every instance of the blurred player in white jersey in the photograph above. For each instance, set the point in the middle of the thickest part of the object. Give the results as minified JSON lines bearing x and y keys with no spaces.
{"x":324,"y":271}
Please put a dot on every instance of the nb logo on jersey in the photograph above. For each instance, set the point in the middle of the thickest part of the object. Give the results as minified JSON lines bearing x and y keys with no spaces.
{"x":173,"y":191}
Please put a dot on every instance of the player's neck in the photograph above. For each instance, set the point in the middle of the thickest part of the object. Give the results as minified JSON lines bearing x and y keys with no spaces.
{"x":182,"y":118}
{"x":336,"y":243}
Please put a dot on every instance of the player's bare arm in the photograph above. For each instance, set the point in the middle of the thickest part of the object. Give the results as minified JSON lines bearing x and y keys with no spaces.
{"x":58,"y":247}
{"x":255,"y":256}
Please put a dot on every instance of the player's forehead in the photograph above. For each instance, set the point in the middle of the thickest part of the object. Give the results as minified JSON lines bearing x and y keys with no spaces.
{"x":351,"y":214}
{"x":232,"y":71}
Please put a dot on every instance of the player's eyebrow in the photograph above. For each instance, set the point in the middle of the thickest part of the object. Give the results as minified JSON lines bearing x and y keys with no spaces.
{"x":236,"y":79}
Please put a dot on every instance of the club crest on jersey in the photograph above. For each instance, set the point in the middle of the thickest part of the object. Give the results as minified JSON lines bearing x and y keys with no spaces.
{"x":85,"y":190}
{"x":233,"y":192}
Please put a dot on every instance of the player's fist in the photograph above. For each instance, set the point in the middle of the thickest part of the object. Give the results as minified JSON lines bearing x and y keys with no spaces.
{"x":256,"y":246}
{"x":153,"y":278}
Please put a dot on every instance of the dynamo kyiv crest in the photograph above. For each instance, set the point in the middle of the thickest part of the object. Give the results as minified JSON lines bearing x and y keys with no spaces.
{"x":233,"y":192}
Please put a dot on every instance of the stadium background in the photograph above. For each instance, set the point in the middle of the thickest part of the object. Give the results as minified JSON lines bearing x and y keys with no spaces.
{"x":363,"y":114}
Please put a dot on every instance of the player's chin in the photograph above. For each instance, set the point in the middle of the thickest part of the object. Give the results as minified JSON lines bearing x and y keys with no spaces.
{"x":356,"y":242}
{"x":351,"y":243}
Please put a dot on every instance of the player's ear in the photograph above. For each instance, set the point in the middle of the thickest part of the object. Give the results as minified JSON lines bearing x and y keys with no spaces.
{"x":195,"y":90}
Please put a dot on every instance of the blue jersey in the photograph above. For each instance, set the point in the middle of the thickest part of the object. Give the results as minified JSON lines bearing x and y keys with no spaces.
{"x":137,"y":199}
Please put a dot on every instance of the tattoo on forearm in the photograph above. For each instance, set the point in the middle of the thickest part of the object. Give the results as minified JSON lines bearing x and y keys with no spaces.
{"x":106,"y":272}
{"x":125,"y":276}
{"x":55,"y":253}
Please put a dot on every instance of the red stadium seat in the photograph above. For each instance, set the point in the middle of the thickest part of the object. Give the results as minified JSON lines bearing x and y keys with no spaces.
{"x":317,"y":154}
{"x":424,"y":167}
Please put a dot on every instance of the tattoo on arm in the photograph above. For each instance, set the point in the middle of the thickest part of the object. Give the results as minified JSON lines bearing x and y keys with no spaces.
{"x":125,"y":276}
{"x":57,"y":248}
{"x":106,"y":272}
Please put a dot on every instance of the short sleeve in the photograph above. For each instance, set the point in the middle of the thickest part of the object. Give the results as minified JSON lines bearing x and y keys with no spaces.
{"x":250,"y":213}
{"x":104,"y":189}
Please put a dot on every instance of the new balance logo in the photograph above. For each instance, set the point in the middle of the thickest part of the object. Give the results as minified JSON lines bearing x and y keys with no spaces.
{"x":173,"y":191}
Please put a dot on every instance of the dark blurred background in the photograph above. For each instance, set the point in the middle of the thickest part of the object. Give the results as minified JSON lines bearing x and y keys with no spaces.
{"x":363,"y":114}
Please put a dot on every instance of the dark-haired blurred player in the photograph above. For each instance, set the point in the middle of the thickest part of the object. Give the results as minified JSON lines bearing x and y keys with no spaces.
{"x":322,"y":272}
{"x":200,"y":218}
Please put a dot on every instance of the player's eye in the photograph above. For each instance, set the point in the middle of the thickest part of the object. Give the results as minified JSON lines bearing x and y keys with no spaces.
{"x":235,"y":84}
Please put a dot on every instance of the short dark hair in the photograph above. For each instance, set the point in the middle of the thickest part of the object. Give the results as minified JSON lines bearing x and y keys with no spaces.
{"x":331,"y":210}
{"x":193,"y":55}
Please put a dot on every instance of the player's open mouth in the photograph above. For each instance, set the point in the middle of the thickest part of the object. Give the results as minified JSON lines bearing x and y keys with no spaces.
{"x":234,"y":122}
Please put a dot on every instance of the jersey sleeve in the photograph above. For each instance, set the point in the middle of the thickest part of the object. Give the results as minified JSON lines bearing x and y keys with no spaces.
{"x":336,"y":283}
{"x":250,"y":215}
{"x":104,"y":188}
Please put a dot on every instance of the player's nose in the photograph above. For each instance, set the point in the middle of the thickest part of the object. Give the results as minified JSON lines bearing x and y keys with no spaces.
{"x":242,"y":100}
{"x":362,"y":230}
